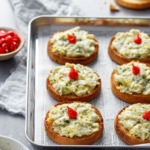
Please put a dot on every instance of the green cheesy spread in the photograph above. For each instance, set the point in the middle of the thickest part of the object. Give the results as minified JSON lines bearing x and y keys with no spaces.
{"x":130,"y":83}
{"x":86,"y":122}
{"x":84,"y":46}
{"x":131,"y":119}
{"x":125,"y":45}
{"x":87,"y":80}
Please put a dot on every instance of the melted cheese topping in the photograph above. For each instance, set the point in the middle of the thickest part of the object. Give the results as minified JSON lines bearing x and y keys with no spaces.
{"x":84,"y":46}
{"x":87,"y":80}
{"x":131,"y":119}
{"x":85,"y":124}
{"x":124,"y":44}
{"x":130,"y":83}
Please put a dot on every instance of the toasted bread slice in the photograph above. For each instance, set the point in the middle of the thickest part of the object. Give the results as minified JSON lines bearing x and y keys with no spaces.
{"x":63,"y":59}
{"x":76,"y":60}
{"x":73,"y":96}
{"x":83,"y":140}
{"x":84,"y":98}
{"x":118,"y":58}
{"x":129,"y":98}
{"x":124,"y":135}
{"x":132,"y":4}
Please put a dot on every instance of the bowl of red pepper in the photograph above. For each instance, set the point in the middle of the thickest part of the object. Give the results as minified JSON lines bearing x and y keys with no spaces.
{"x":11,"y":42}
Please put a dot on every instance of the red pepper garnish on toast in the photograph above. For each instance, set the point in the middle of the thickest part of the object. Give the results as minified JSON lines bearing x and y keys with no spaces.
{"x":71,"y":113}
{"x":135,"y":70}
{"x":138,"y":39}
{"x":73,"y":74}
{"x":146,"y":115}
{"x":71,"y":38}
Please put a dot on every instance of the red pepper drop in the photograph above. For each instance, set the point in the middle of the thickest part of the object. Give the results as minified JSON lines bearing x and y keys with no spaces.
{"x":11,"y":33}
{"x":135,"y":70}
{"x":72,"y":113}
{"x":73,"y":74}
{"x":9,"y":41}
{"x":146,"y":115}
{"x":1,"y":50}
{"x":71,"y":38}
{"x":138,"y":39}
{"x":2,"y":40}
{"x":13,"y":46}
{"x":16,"y":39}
{"x":2,"y":32}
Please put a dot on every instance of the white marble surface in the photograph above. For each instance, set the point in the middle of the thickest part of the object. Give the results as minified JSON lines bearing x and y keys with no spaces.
{"x":13,"y":125}
{"x":100,"y":8}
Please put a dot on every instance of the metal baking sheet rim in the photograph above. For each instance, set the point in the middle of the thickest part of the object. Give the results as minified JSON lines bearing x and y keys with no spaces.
{"x":31,"y":24}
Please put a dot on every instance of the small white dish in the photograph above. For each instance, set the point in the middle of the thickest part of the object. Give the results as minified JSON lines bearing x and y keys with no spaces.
{"x":9,"y":55}
{"x":7,"y":143}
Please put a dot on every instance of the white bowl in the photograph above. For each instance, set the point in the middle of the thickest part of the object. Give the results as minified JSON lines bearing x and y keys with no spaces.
{"x":7,"y":143}
{"x":13,"y":53}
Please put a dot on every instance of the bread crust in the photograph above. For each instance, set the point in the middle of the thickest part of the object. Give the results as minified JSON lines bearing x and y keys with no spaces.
{"x":118,"y":58}
{"x":85,"y":140}
{"x":63,"y":59}
{"x":133,"y":4}
{"x":84,"y":98}
{"x":129,"y":98}
{"x":124,"y":134}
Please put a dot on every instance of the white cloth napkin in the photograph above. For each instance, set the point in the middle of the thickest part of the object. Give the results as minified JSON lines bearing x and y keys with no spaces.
{"x":12,"y":92}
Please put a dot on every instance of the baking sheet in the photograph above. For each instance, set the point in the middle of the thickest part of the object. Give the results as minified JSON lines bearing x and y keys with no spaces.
{"x":39,"y":65}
